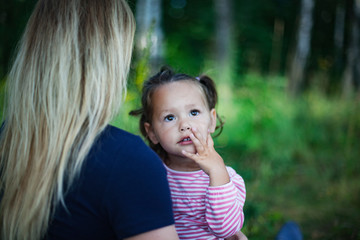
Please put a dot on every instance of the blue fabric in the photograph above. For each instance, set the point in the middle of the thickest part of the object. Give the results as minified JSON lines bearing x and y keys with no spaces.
{"x":122,"y":191}
{"x":289,"y":231}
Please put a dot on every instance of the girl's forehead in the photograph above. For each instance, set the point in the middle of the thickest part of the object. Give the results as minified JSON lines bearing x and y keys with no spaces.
{"x":182,"y":86}
{"x":185,"y":90}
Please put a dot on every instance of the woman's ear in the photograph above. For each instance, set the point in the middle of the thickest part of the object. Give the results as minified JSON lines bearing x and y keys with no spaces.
{"x":150,"y":132}
{"x":212,"y":120}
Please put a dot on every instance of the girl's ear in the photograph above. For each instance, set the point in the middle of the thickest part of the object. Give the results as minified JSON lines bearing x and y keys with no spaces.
{"x":212,"y":120}
{"x":150,"y":132}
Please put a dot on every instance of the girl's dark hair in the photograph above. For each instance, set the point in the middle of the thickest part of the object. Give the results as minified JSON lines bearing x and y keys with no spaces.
{"x":167,"y":75}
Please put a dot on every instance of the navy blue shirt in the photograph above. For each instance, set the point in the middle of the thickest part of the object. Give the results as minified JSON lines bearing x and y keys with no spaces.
{"x":122,"y":191}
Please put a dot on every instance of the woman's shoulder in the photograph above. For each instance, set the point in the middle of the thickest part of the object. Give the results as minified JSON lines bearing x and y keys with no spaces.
{"x":116,"y":139}
{"x":118,"y":155}
{"x":119,"y":147}
{"x":112,"y":133}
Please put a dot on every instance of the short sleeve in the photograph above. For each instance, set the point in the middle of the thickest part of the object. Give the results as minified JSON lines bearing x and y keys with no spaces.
{"x":137,"y":198}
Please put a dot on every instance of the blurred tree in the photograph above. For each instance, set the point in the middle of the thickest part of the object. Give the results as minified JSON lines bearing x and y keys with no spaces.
{"x":244,"y":36}
{"x":297,"y":71}
{"x":351,"y":81}
{"x":224,"y":49}
{"x":149,"y":36}
{"x":189,"y":34}
{"x":254,"y":29}
{"x":224,"y":32}
{"x":277,"y":42}
{"x":13,"y":17}
{"x":339,"y":32}
{"x":264,"y":34}
{"x":278,"y":36}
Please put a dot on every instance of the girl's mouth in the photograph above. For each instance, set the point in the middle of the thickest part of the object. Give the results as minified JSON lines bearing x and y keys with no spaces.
{"x":185,"y":140}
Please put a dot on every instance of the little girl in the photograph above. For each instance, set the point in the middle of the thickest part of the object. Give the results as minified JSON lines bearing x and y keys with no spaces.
{"x":177,"y":117}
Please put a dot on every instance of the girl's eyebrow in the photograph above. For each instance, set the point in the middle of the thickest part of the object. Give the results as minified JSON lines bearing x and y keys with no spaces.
{"x":164,"y":112}
{"x":170,"y":110}
{"x":191,"y":105}
{"x":197,"y":106}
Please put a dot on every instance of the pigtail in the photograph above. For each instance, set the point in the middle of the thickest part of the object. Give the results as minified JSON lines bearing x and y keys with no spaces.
{"x":165,"y":74}
{"x":136,"y":113}
{"x":209,"y":88}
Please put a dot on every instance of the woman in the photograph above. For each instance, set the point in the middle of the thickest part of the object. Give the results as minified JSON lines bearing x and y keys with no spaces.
{"x":65,"y":173}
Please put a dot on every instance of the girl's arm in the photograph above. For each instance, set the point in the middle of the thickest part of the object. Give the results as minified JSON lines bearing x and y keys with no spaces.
{"x":225,"y":199}
{"x":224,"y":206}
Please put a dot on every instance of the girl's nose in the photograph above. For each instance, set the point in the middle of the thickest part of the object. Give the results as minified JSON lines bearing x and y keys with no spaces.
{"x":185,"y":127}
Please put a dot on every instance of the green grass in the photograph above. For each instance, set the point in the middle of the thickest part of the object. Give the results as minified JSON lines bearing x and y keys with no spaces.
{"x":299,"y":158}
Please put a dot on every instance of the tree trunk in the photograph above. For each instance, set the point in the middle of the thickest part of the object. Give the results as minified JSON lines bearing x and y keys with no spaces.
{"x":277,"y":42}
{"x":224,"y":57}
{"x":223,"y":32}
{"x":352,"y":69}
{"x":297,"y":71}
{"x":339,"y":31}
{"x":149,"y":35}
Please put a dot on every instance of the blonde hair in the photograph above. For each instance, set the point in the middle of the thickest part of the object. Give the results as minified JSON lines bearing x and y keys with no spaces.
{"x":66,"y":84}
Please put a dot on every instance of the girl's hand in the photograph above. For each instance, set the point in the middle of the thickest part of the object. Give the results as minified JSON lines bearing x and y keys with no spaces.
{"x":207,"y":158}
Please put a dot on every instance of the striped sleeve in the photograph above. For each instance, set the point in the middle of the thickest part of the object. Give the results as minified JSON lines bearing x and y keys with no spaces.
{"x":224,"y":206}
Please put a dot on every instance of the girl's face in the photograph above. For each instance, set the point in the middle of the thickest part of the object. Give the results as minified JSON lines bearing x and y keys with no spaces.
{"x":179,"y":107}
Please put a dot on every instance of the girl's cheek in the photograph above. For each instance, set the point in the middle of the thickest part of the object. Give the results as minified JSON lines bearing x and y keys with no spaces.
{"x":202,"y":128}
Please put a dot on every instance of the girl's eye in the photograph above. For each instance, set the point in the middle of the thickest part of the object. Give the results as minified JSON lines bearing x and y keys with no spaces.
{"x":194,"y":112}
{"x":169,"y":118}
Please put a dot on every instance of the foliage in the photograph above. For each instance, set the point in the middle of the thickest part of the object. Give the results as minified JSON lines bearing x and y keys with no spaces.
{"x":299,"y":159}
{"x":13,"y":17}
{"x":189,"y":35}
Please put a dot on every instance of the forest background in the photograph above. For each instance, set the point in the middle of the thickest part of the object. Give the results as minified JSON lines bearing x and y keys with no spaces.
{"x":288,"y":75}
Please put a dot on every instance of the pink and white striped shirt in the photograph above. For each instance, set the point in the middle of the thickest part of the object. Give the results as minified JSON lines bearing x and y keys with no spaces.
{"x":206,"y":212}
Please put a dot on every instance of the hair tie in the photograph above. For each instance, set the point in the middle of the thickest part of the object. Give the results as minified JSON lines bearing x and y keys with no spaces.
{"x":197,"y":78}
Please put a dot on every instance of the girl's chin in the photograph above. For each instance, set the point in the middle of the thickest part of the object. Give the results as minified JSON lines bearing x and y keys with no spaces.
{"x":180,"y":154}
{"x":190,"y":150}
